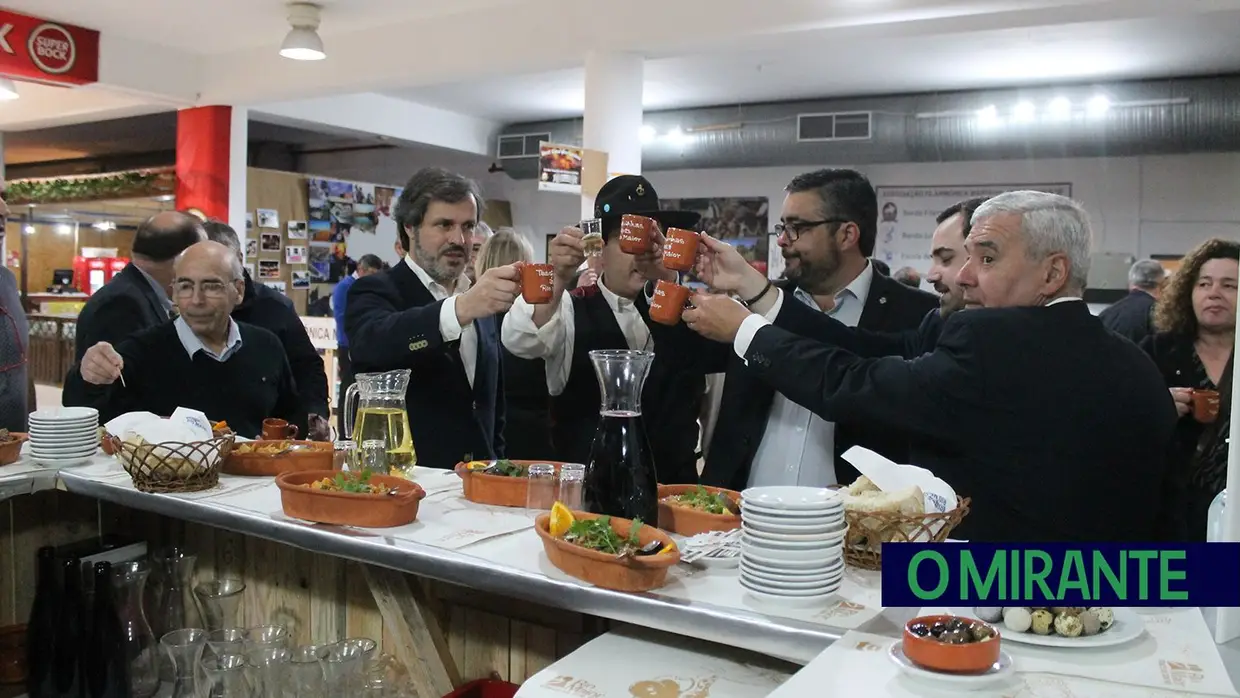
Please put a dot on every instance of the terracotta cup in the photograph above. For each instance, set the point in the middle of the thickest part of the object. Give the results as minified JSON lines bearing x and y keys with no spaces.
{"x":536,"y":282}
{"x":1205,"y":405}
{"x":680,"y":250}
{"x":668,"y":302}
{"x":635,"y":233}
{"x":278,"y":429}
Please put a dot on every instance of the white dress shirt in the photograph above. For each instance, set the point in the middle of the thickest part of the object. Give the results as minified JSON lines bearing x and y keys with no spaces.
{"x":193,"y":344}
{"x":449,"y":327}
{"x":554,"y":341}
{"x":798,"y":447}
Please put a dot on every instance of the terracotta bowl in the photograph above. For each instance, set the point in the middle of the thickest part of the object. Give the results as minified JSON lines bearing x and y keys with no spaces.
{"x":11,"y":450}
{"x":606,"y":571}
{"x":321,"y":457}
{"x":497,"y":490}
{"x":971,"y":658}
{"x":690,"y":522}
{"x":348,"y":509}
{"x":13,"y":654}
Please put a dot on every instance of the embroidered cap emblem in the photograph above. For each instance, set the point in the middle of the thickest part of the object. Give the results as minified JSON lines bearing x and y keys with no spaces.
{"x":641,"y":190}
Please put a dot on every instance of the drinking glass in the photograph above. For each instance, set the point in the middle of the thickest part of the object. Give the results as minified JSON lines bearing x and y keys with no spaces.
{"x":184,"y":649}
{"x":373,"y":457}
{"x":592,"y":237}
{"x":218,"y":601}
{"x":306,"y":671}
{"x":345,"y":455}
{"x":265,"y":637}
{"x":226,"y":641}
{"x":270,"y":671}
{"x":540,"y":494}
{"x":343,"y":668}
{"x":572,"y":477}
{"x":225,"y":677}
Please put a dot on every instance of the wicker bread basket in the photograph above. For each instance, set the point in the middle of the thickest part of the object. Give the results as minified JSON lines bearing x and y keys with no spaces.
{"x":867,"y":531}
{"x":174,"y":466}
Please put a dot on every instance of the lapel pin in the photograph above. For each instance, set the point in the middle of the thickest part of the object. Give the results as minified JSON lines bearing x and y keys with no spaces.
{"x":882,"y":300}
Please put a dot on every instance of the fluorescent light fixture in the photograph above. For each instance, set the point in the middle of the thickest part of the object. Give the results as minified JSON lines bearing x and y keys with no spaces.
{"x":1098,"y":105}
{"x":648,"y":134}
{"x":8,"y":89}
{"x":1060,"y":108}
{"x":29,"y":230}
{"x":988,"y":116}
{"x":64,"y":229}
{"x":1024,"y":111}
{"x":677,"y":137}
{"x":303,"y":45}
{"x":103,"y":225}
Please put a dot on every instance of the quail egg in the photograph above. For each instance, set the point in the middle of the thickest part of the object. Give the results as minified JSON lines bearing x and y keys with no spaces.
{"x":1068,"y":625}
{"x":1041,"y":621}
{"x":1017,"y":618}
{"x":990,"y":614}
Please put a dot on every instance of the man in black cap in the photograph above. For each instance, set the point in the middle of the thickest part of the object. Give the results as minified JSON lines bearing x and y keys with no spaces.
{"x":610,"y":314}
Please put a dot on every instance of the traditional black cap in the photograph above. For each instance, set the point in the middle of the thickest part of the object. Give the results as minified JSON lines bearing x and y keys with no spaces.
{"x":636,"y":195}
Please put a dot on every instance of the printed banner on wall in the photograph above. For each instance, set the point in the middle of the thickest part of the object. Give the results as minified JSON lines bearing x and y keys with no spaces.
{"x":559,"y":168}
{"x":906,"y":217}
{"x":743,"y":221}
{"x":347,"y":220}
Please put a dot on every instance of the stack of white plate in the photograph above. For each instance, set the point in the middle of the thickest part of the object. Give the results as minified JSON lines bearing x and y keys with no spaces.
{"x":792,"y":543}
{"x":64,"y":436}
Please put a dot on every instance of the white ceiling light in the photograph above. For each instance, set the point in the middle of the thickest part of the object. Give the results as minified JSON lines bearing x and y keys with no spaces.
{"x":1098,"y":105}
{"x":1024,"y":111}
{"x":29,"y":230}
{"x":302,"y":42}
{"x":1060,"y":108}
{"x":64,"y":229}
{"x":648,"y":134}
{"x":677,"y":137}
{"x":8,"y":90}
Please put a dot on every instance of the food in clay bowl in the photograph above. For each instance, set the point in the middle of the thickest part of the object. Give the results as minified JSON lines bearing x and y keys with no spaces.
{"x":501,"y":483}
{"x":607,"y":552}
{"x":349,"y":499}
{"x":688,"y":510}
{"x":951,"y":644}
{"x":11,"y":446}
{"x":276,"y":457}
{"x":1064,"y":626}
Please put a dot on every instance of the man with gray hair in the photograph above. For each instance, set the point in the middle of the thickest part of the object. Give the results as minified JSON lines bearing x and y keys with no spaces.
{"x":1027,"y":404}
{"x":1132,"y":316}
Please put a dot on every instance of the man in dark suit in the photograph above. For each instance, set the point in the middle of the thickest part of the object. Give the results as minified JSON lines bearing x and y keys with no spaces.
{"x":424,"y":315}
{"x":137,"y":297}
{"x":271,"y":310}
{"x":1132,"y":316}
{"x":1027,"y":405}
{"x":828,"y":228}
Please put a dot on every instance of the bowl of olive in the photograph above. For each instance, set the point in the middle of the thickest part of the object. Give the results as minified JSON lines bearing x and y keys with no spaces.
{"x":952,"y":644}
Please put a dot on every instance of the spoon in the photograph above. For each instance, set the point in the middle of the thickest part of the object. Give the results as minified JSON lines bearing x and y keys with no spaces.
{"x":651,"y":548}
{"x":729,"y":504}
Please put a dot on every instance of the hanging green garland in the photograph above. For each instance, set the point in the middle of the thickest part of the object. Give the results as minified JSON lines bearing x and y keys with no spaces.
{"x":115,"y":185}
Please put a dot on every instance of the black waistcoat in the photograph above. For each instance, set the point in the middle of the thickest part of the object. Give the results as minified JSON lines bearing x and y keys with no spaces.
{"x":671,"y":401}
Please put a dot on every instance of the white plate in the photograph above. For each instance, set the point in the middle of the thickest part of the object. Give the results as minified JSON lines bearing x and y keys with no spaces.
{"x":55,"y":414}
{"x":49,"y":433}
{"x":823,"y":557}
{"x":717,"y":562}
{"x":828,"y":587}
{"x":62,"y":443}
{"x":792,"y":515}
{"x":63,"y":462}
{"x":795,"y":541}
{"x":753,"y":516}
{"x":797,"y":601}
{"x":764,"y":581}
{"x":819,"y":575}
{"x":812,"y":499}
{"x":999,"y":671}
{"x":1128,"y":626}
{"x":761,"y":559}
{"x":48,"y":450}
{"x":793,"y":529}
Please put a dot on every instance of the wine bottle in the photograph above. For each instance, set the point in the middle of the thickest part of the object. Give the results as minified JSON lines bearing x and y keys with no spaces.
{"x":41,"y":628}
{"x":70,"y":634}
{"x":106,"y":670}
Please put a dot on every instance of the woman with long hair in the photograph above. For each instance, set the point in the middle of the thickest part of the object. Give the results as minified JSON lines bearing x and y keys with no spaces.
{"x":1195,"y":331}
{"x":527,"y":434}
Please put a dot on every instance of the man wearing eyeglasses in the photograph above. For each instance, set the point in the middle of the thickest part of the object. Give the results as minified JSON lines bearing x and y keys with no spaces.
{"x":203,"y":360}
{"x":827,"y":231}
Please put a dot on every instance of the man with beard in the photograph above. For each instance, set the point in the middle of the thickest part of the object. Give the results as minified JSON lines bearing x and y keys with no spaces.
{"x":947,"y":255}
{"x":1024,"y":391}
{"x":827,"y":232}
{"x":610,"y":313}
{"x":424,"y":315}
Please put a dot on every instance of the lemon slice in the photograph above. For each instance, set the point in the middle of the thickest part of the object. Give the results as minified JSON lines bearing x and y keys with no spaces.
{"x":477,"y":464}
{"x":561,"y":519}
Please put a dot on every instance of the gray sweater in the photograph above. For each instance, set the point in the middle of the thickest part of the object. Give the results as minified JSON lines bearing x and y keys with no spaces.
{"x":14,"y":355}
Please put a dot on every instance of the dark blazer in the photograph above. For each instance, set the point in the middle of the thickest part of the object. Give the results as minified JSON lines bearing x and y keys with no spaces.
{"x":125,"y":306}
{"x":1037,"y":414}
{"x":909,"y":344}
{"x":746,"y":401}
{"x":271,"y":310}
{"x":392,"y":321}
{"x":1131,"y":316}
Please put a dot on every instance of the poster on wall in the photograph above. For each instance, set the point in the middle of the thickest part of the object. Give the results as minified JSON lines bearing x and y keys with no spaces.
{"x":356,"y":215}
{"x":268,"y":218}
{"x":295,"y":254}
{"x":268,"y":269}
{"x":271,"y":242}
{"x":251,"y":248}
{"x":906,"y":217}
{"x":296,"y":230}
{"x":559,"y":168}
{"x":743,"y":221}
{"x":301,"y":279}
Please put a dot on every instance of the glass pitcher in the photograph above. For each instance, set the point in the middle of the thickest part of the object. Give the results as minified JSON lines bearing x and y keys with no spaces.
{"x":620,"y":478}
{"x":381,"y":415}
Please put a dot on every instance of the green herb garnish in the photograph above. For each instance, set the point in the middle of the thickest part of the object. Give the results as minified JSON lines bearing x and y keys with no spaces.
{"x":597,"y":534}
{"x":507,"y":468}
{"x":704,"y":500}
{"x":358,"y":482}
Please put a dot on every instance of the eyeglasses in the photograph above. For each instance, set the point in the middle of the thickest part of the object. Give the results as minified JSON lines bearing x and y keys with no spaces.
{"x":793,"y":230}
{"x":185,"y":288}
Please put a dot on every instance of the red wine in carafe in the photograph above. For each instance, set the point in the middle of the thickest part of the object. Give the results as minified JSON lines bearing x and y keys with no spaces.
{"x":620,"y":478}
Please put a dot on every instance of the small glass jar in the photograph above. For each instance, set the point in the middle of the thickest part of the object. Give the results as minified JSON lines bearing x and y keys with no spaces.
{"x":541,"y":491}
{"x":373,"y":457}
{"x":345,"y":457}
{"x":572,"y":480}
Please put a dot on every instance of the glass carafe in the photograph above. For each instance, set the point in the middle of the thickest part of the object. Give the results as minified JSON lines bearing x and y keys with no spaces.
{"x":184,"y":651}
{"x":620,"y":478}
{"x":176,"y":609}
{"x":129,"y":584}
{"x":381,"y":415}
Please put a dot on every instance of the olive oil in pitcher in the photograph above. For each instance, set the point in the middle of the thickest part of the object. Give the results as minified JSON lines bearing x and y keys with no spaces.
{"x":381,"y":416}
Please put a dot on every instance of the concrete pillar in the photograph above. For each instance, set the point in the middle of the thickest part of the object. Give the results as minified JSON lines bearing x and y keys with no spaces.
{"x":613,"y":113}
{"x":238,"y":159}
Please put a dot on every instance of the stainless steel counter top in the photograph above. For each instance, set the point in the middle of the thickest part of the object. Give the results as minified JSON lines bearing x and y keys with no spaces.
{"x":775,"y":636}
